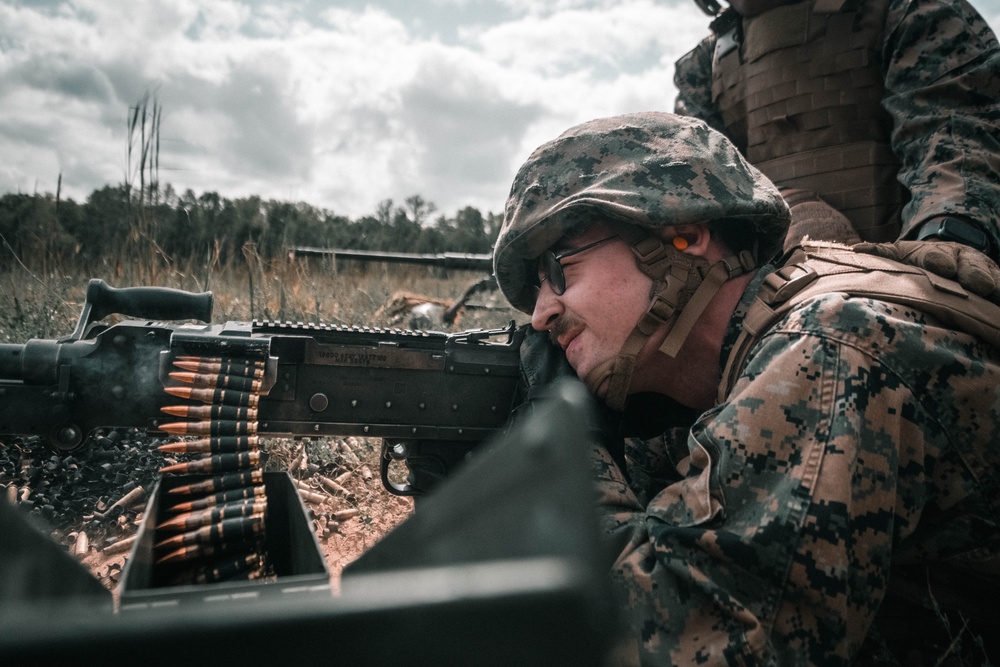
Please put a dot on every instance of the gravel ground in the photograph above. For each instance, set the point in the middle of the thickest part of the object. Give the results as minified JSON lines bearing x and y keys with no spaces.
{"x":93,"y":499}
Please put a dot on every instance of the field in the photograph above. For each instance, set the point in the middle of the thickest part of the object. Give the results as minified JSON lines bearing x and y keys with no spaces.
{"x":46,"y":304}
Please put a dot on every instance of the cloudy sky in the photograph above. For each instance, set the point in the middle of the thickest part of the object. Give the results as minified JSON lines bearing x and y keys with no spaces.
{"x":338,"y":103}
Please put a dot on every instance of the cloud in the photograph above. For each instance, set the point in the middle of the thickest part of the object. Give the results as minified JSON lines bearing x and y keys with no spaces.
{"x":341,"y":107}
{"x":466,"y":129}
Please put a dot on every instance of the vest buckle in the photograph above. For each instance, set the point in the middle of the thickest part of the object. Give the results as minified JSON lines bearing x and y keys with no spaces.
{"x":789,"y":280}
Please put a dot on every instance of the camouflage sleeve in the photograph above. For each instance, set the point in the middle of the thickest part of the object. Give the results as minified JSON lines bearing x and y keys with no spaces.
{"x":943,"y":93}
{"x":774,"y":548}
{"x":693,"y":78}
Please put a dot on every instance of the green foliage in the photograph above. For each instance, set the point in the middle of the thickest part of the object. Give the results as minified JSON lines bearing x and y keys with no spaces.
{"x":121,"y":225}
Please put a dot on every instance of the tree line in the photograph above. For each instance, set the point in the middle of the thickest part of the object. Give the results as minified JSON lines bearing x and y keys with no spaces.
{"x":47,"y":229}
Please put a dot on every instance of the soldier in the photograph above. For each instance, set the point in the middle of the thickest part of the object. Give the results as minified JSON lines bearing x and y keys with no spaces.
{"x":845,"y":467}
{"x":878,"y":119}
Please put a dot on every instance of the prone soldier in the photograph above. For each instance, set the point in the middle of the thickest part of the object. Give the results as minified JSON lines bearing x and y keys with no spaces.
{"x":841,"y":480}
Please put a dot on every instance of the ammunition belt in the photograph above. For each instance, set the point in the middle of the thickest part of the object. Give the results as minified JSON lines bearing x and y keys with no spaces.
{"x":215,"y":528}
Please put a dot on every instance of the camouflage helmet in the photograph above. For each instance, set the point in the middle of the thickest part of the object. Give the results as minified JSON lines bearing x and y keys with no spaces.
{"x":650,"y":169}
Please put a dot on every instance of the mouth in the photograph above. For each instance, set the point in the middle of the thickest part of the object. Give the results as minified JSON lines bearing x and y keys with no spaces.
{"x":563,"y":336}
{"x":566,"y":342}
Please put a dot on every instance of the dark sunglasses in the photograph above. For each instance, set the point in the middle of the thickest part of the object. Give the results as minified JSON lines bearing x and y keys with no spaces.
{"x":550,"y":266}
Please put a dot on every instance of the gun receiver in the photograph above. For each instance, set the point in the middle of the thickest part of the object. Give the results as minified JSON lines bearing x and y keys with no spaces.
{"x":318,"y":380}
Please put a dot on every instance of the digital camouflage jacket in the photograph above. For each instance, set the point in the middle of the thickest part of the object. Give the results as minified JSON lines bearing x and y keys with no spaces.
{"x":853,"y":470}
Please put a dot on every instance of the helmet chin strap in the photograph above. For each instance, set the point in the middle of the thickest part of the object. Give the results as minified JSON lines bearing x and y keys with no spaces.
{"x":683,"y":286}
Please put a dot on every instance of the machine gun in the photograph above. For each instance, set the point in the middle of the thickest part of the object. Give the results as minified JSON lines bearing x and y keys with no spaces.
{"x":430,"y":396}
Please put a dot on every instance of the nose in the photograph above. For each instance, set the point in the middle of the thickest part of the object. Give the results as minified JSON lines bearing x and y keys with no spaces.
{"x":548,"y":308}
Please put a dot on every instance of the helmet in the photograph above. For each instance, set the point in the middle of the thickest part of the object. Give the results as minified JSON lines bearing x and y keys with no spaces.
{"x":638,"y":173}
{"x":646,"y":169}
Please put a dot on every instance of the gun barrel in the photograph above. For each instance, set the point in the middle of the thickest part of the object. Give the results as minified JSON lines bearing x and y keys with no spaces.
{"x":36,"y":362}
{"x":11,"y":364}
{"x":445,"y":260}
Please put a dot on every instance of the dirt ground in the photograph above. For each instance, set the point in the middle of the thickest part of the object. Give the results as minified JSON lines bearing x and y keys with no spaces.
{"x":338,"y":483}
{"x":341,"y":546}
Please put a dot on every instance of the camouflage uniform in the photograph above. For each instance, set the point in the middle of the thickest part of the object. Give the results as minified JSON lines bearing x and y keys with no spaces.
{"x":859,"y":436}
{"x":833,"y":460}
{"x":933,"y":66}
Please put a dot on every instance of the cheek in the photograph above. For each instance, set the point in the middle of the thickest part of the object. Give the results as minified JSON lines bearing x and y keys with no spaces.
{"x":622,"y":298}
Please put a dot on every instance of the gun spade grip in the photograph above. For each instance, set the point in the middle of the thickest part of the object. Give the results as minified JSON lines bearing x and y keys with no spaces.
{"x":151,"y":303}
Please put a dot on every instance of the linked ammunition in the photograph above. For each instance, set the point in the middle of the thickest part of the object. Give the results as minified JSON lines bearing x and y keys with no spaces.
{"x":225,"y":412}
{"x":221,"y":498}
{"x":227,"y":531}
{"x":257,"y":573}
{"x":213,"y":427}
{"x":219,"y":483}
{"x":217,"y":366}
{"x":229,"y":444}
{"x":215,"y":396}
{"x":224,"y":569}
{"x":197,"y":519}
{"x":217,"y":463}
{"x":199,"y":551}
{"x":210,"y":381}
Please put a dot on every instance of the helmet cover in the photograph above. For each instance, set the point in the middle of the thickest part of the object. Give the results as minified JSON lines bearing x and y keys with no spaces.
{"x":649,"y":169}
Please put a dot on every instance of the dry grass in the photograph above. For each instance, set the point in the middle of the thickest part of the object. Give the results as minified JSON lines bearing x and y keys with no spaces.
{"x":47,"y":305}
{"x":36,"y":305}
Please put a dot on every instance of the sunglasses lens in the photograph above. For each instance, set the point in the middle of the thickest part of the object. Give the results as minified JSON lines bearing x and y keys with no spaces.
{"x":552,"y":270}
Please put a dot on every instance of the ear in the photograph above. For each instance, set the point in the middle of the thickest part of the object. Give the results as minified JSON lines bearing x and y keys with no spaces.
{"x":692,"y":239}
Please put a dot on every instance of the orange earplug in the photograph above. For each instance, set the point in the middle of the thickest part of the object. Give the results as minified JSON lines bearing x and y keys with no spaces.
{"x":680,"y":242}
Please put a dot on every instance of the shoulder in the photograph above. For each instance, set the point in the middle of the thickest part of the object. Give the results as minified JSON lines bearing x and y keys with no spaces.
{"x":866,"y":323}
{"x":694,"y":68}
{"x":948,"y":32}
{"x":857,"y":332}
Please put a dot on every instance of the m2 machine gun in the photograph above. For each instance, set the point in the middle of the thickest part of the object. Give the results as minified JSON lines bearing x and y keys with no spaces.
{"x":430,"y":396}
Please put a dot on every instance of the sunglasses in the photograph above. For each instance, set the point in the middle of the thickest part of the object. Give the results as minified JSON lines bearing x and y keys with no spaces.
{"x":549,"y":265}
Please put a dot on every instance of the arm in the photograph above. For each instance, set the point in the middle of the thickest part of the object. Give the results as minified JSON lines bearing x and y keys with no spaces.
{"x":693,"y":78}
{"x":943,"y":94}
{"x":776,"y":543}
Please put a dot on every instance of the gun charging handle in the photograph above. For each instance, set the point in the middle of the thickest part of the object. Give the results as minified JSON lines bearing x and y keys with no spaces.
{"x":152,"y":303}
